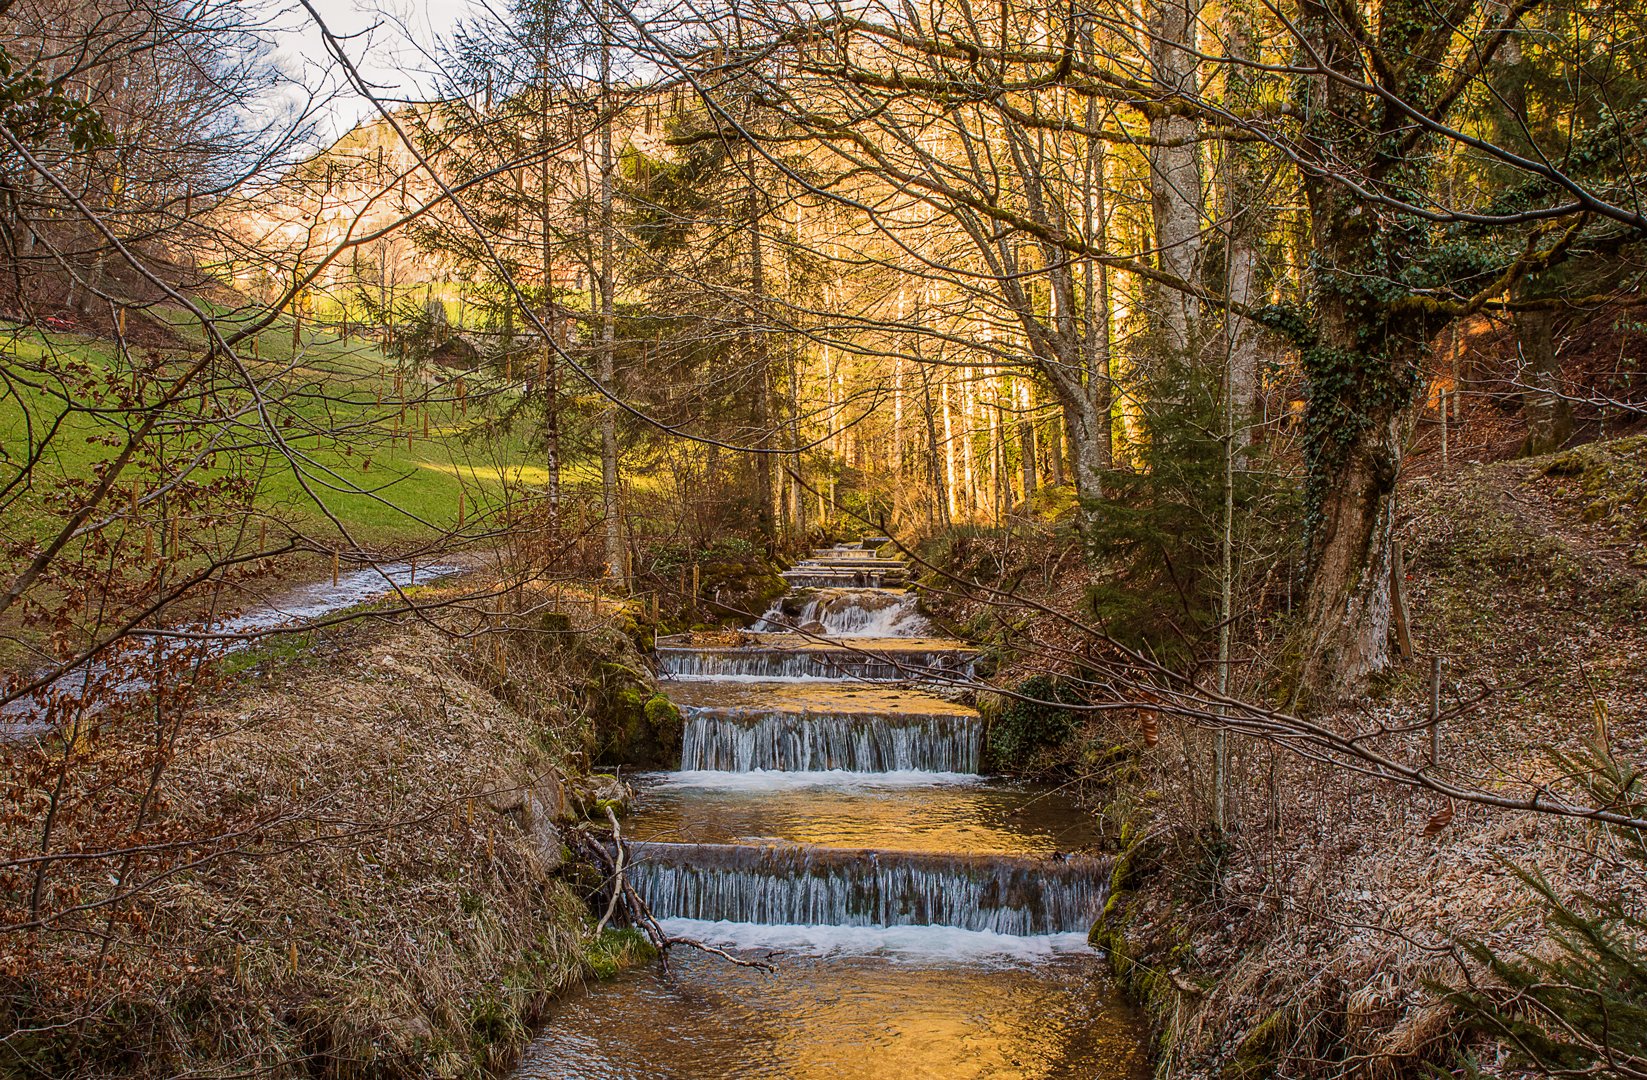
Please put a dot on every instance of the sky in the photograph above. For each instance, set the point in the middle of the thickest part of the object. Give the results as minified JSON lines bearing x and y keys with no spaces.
{"x":392,"y":42}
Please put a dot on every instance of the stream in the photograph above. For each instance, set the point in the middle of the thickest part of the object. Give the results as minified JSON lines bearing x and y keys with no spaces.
{"x":292,"y":609}
{"x":830,"y":818}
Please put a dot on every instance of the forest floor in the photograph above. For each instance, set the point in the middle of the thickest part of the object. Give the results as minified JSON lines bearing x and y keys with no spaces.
{"x":358,"y":866}
{"x":1312,"y":939}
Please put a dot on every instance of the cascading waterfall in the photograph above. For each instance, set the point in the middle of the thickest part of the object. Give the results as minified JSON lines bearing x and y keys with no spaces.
{"x":750,"y":710}
{"x":877,"y":662}
{"x":824,"y":886}
{"x":787,"y":742}
{"x":857,"y":613}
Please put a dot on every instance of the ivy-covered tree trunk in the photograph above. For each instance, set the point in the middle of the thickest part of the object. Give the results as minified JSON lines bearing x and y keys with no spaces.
{"x":1362,"y":338}
{"x":1361,"y":357}
{"x":1347,"y":603}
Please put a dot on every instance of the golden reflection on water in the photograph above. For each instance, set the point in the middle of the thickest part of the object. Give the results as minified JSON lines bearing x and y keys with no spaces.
{"x":963,"y":818}
{"x":855,"y":1018}
{"x":818,"y":697}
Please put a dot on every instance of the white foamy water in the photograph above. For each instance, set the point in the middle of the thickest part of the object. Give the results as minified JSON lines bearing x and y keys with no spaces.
{"x":924,"y":943}
{"x":770,"y":780}
{"x":863,"y":742}
{"x":853,"y":613}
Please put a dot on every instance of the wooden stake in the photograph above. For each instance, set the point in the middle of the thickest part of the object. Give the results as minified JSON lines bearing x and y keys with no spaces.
{"x":293,"y":952}
{"x":460,"y":510}
{"x":148,"y":543}
{"x":336,"y":559}
{"x":1435,"y":710}
{"x":1398,"y":601}
{"x":134,"y":498}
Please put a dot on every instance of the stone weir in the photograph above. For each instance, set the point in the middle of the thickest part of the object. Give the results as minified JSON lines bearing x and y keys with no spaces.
{"x":799,"y":656}
{"x":820,"y":886}
{"x":808,"y":727}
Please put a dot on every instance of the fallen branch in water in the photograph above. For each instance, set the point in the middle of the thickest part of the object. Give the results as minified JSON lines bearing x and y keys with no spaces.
{"x":635,"y":910}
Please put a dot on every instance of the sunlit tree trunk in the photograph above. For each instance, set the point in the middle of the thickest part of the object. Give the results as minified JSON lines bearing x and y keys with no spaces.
{"x":616,"y":563}
{"x":1175,"y":170}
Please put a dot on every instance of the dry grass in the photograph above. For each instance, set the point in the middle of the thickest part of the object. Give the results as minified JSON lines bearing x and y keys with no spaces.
{"x":1341,"y":899}
{"x":1306,"y":944}
{"x":398,"y":914}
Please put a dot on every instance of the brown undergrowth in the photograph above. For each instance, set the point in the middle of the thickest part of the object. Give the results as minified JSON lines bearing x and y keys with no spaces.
{"x":365,"y":878}
{"x":1307,"y":941}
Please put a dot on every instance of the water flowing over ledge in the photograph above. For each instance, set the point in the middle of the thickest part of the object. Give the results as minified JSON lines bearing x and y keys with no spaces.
{"x":789,"y":656}
{"x":867,"y":613}
{"x":850,"y":742}
{"x":795,"y":885}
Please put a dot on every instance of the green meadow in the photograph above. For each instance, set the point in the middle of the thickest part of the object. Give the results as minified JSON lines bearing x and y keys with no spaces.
{"x":325,"y":437}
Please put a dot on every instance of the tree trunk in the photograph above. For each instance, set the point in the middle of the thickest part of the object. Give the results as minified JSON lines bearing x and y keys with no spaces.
{"x":1175,"y":171}
{"x":1347,"y":603}
{"x":1243,"y":219}
{"x":616,"y":567}
{"x":1549,"y":415}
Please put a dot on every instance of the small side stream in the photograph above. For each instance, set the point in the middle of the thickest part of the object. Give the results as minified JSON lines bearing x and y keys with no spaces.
{"x":925,"y":921}
{"x":292,"y":609}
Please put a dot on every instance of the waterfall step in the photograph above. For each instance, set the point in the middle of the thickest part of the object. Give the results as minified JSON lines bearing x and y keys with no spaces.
{"x":846,"y":612}
{"x":818,"y":726}
{"x":790,"y":656}
{"x":742,"y":698}
{"x":787,"y":884}
{"x":948,"y":813}
{"x":823,"y":577}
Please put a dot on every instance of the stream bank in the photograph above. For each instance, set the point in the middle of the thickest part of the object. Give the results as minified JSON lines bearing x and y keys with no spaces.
{"x":361,"y":866}
{"x":1311,"y":938}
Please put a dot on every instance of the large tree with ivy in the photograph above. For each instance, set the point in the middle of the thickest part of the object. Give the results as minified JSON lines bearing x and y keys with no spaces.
{"x":1387,"y":99}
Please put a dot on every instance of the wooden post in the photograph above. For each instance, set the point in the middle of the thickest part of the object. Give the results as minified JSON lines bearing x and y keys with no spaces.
{"x":336,"y":559}
{"x":1398,"y":601}
{"x":695,"y":587}
{"x":1435,"y":710}
{"x":1442,"y":398}
{"x":134,"y":497}
{"x":460,"y":510}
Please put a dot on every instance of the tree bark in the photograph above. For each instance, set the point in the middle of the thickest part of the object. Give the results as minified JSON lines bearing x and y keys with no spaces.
{"x":616,"y":564}
{"x":1175,"y":171}
{"x":1347,"y":603}
{"x":1549,"y":415}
